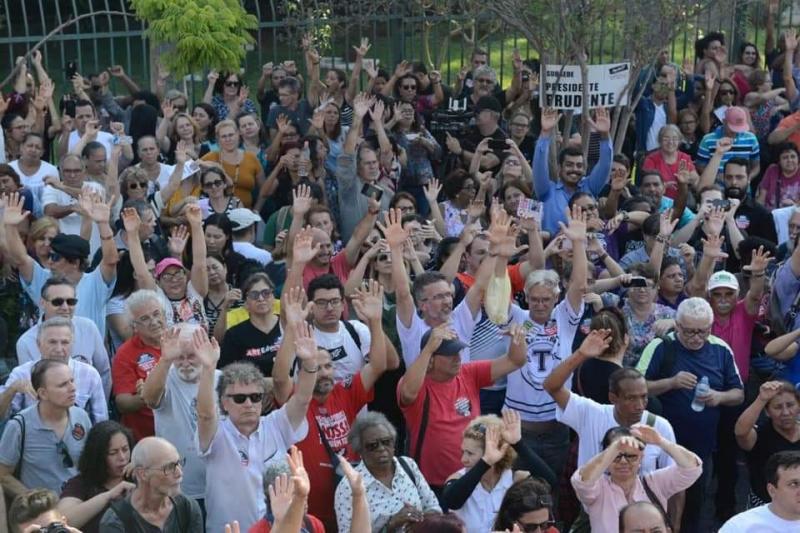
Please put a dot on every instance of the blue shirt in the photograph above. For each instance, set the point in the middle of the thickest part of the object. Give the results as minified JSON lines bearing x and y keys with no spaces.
{"x":553,"y":193}
{"x":745,"y":145}
{"x":686,"y":216}
{"x":696,"y":431}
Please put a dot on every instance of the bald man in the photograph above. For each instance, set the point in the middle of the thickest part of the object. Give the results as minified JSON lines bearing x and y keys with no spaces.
{"x":157,"y":498}
{"x":642,"y":517}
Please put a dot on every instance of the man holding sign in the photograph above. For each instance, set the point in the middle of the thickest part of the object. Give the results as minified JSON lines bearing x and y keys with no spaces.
{"x":555,"y":194}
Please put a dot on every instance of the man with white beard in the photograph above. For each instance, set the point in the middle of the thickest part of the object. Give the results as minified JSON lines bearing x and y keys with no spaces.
{"x":171,"y":392}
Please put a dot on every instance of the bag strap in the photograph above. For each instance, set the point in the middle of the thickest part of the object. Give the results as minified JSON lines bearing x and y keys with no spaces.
{"x":21,"y":421}
{"x":333,"y":455}
{"x":353,"y":333}
{"x":426,"y":406}
{"x":655,"y":501}
{"x":404,"y":466}
{"x":124,"y":511}
{"x":668,"y":362}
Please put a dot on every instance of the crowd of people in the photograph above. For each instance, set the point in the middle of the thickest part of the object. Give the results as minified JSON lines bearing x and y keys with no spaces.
{"x":343,"y":303}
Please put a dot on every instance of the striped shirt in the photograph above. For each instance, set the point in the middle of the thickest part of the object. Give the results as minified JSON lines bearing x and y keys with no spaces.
{"x":745,"y":146}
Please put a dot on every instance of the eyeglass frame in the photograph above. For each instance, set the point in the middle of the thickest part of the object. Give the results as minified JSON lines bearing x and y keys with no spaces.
{"x":169,"y":469}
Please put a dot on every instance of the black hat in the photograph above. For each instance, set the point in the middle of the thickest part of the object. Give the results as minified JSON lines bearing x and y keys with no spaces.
{"x":70,"y":246}
{"x":488,"y":103}
{"x":448,"y":346}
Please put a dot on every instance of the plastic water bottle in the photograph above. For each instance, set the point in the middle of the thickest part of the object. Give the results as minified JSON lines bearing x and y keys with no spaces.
{"x":701,"y":389}
{"x":305,"y":161}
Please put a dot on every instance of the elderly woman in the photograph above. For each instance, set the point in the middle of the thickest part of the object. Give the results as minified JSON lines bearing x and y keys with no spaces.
{"x":781,"y":183}
{"x":610,"y":480}
{"x":489,"y":449}
{"x":528,"y":505}
{"x":780,"y":401}
{"x":668,"y":159}
{"x":397,"y":492}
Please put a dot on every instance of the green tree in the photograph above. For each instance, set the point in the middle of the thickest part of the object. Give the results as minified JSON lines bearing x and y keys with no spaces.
{"x":202,"y":33}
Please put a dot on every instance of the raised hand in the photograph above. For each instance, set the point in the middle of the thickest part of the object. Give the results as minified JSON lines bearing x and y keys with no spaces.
{"x":550,"y":118}
{"x":376,"y":112}
{"x":393,"y":231}
{"x":712,"y":247}
{"x":167,"y":109}
{"x":244,"y":93}
{"x":354,"y":479}
{"x":790,"y":39}
{"x":363,"y":48}
{"x":759,"y":262}
{"x":302,"y":484}
{"x":177,"y":240}
{"x":512,"y":426}
{"x":724,"y":145}
{"x":95,"y":208}
{"x":318,"y":119}
{"x":304,"y":249}
{"x":494,"y":449}
{"x":292,"y":305}
{"x":305,"y":344}
{"x":194,"y":215}
{"x":266,"y":69}
{"x":666,"y":224}
{"x":452,"y":144}
{"x":432,"y":189}
{"x":14,"y":213}
{"x":595,"y":343}
{"x":280,"y":497}
{"x":212,"y":77}
{"x":301,"y":201}
{"x":435,"y":76}
{"x":282,"y":123}
{"x":601,"y":122}
{"x":231,"y":297}
{"x":439,"y":334}
{"x":361,"y":105}
{"x":402,"y":69}
{"x":182,"y":152}
{"x":368,"y":301}
{"x":206,"y":350}
{"x":575,"y":230}
{"x":710,"y":78}
{"x":715,"y":220}
{"x":768,"y":391}
{"x":171,"y":344}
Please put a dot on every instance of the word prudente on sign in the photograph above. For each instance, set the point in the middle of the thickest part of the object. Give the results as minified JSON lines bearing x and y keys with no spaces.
{"x":562,"y":86}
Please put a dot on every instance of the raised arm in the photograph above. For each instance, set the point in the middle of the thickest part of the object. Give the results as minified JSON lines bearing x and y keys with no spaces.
{"x":432,"y":189}
{"x":413,"y":379}
{"x":516,"y":356}
{"x":207,"y":352}
{"x":156,"y":383}
{"x":744,"y":430}
{"x":306,"y":351}
{"x":592,"y":471}
{"x":131,"y":222}
{"x":541,"y":154}
{"x":315,"y":86}
{"x":212,"y":78}
{"x":758,"y":267}
{"x":595,"y":343}
{"x":368,"y":304}
{"x":598,"y":177}
{"x":13,"y":215}
{"x":790,"y":42}
{"x":396,"y":237}
{"x":99,"y":210}
{"x":199,"y":274}
{"x":666,"y":227}
{"x":682,"y":457}
{"x":575,"y":231}
{"x":293,"y":313}
{"x":355,"y":75}
{"x":361,"y":231}
{"x":288,"y":497}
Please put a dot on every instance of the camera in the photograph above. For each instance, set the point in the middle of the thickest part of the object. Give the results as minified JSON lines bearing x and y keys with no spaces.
{"x":454,"y":120}
{"x":54,"y":527}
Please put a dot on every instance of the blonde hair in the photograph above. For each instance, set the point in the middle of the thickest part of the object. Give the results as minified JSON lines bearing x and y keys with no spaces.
{"x":476,"y":430}
{"x":40,"y":227}
{"x":227,"y":123}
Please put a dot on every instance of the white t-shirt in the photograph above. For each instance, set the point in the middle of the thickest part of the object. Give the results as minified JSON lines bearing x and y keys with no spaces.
{"x":659,"y":121}
{"x":347,"y":358}
{"x":410,"y":338}
{"x":252,"y":251}
{"x":163,"y":176}
{"x":759,"y":520}
{"x":104,"y":138}
{"x":781,"y":217}
{"x":35,"y":181}
{"x":176,"y":420}
{"x":71,"y":224}
{"x":190,"y":309}
{"x":592,"y":420}
{"x":548,"y":345}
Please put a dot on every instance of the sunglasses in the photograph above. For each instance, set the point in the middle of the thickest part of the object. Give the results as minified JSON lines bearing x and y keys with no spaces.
{"x":629,"y":457}
{"x":58,"y":302}
{"x":387,"y":442}
{"x":66,"y":458}
{"x":259,"y":295}
{"x":132,"y":186}
{"x":239,"y":399}
{"x":232,"y":83}
{"x":214,"y":184}
{"x":409,"y":87}
{"x":534,"y":527}
{"x":55,"y":257}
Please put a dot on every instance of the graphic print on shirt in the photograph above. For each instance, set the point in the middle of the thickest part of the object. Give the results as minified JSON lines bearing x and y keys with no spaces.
{"x":259,"y":351}
{"x":463,"y":407}
{"x":337,"y":353}
{"x":335,"y":428}
{"x":542,"y":355}
{"x":146,"y":362}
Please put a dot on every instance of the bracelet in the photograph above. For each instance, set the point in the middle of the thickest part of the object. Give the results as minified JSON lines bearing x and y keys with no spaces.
{"x":663,"y":239}
{"x":309,"y":371}
{"x":625,"y":216}
{"x":602,"y":257}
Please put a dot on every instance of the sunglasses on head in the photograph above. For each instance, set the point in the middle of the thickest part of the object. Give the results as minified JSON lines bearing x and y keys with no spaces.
{"x":132,"y":186}
{"x":239,"y":399}
{"x":58,"y":302}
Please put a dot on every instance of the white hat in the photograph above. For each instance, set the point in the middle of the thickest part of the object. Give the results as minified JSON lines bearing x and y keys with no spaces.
{"x":242,"y":218}
{"x":723,"y":278}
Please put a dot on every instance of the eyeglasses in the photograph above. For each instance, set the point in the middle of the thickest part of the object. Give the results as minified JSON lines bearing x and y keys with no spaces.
{"x":58,"y":302}
{"x":484,"y":80}
{"x":149,"y":319}
{"x":214,"y":184}
{"x":512,"y":163}
{"x":628,"y":457}
{"x":518,"y":125}
{"x":232,"y":83}
{"x":409,"y":87}
{"x":239,"y":399}
{"x":180,"y":274}
{"x":694,"y":332}
{"x":66,"y":458}
{"x":55,"y":257}
{"x":441,"y":297}
{"x":169,"y":468}
{"x":259,"y":295}
{"x":324,"y":304}
{"x":387,"y":442}
{"x":132,"y":186}
{"x":534,"y":527}
{"x":645,"y":288}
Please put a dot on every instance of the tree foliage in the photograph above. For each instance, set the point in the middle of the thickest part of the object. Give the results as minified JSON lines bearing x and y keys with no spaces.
{"x":203,"y":33}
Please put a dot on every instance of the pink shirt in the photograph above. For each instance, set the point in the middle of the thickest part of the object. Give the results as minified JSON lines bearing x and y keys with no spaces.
{"x":337,"y":266}
{"x":604,"y":499}
{"x":655,"y":161}
{"x":737,"y":331}
{"x":779,"y":188}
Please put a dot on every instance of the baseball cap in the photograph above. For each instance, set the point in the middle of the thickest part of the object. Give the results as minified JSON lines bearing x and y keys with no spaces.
{"x":166,"y":263}
{"x":448,"y":346}
{"x":723,"y":278}
{"x":70,"y":246}
{"x":242,"y":218}
{"x":488,"y":103}
{"x":736,"y":119}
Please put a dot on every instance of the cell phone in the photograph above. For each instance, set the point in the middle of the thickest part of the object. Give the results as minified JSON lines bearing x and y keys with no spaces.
{"x":724,"y":204}
{"x":636,"y":281}
{"x":372,"y":191}
{"x":122,"y":139}
{"x":497,"y":144}
{"x":71,"y":70}
{"x":412,"y":136}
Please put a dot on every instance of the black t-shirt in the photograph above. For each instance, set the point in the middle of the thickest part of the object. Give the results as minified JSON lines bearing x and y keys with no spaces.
{"x":769,"y":442}
{"x":245,"y":342}
{"x":591,"y":379}
{"x":755,"y":221}
{"x":474,"y":137}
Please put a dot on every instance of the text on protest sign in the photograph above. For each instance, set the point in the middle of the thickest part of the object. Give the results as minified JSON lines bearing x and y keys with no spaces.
{"x":562,"y":86}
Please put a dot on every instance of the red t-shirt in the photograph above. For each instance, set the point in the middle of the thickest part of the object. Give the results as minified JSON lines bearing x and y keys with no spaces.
{"x":453,"y":405}
{"x":338,"y":266}
{"x":134,"y":361}
{"x":737,"y":331}
{"x":334,"y":418}
{"x":262,"y":526}
{"x":655,"y":161}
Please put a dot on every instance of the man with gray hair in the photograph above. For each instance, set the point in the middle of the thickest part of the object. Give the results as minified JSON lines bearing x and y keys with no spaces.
{"x":54,"y":339}
{"x":673,"y":368}
{"x":157,"y":500}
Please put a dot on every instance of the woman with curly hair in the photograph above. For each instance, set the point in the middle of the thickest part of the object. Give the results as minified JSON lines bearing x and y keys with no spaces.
{"x":528,"y":505}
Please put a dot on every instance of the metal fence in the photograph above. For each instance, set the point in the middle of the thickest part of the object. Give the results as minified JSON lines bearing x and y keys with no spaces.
{"x":403,"y":30}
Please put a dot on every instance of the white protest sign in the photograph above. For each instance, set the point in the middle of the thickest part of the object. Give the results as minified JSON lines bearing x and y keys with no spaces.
{"x":562,"y":86}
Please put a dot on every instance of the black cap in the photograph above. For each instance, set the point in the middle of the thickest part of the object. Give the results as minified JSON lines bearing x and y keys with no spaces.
{"x":488,"y":103}
{"x":448,"y":346}
{"x":70,"y":246}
